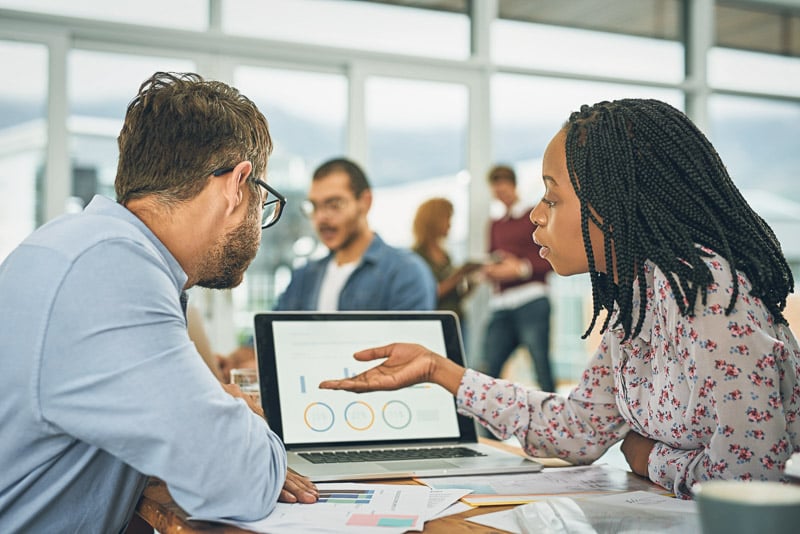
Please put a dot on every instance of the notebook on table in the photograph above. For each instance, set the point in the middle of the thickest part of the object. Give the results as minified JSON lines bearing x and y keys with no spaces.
{"x":338,"y":435}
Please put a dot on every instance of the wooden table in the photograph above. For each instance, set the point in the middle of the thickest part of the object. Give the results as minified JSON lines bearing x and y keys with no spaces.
{"x":158,"y":509}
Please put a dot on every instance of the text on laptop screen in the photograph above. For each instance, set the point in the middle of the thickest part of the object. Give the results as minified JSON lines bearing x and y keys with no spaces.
{"x":308,"y":353}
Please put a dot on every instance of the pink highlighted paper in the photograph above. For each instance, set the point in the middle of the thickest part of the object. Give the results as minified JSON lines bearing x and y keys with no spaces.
{"x":382,"y":520}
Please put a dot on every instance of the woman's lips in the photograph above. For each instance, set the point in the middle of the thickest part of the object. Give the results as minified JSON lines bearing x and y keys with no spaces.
{"x":543,"y":250}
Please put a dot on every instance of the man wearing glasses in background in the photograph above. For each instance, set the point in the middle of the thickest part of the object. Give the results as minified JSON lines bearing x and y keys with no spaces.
{"x":361,"y":272}
{"x":101,"y":384}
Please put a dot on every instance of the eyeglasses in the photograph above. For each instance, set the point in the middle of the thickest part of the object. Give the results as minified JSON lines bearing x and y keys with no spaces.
{"x":331,"y":206}
{"x":271,"y":210}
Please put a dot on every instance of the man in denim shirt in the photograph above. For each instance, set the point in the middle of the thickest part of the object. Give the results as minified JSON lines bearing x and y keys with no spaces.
{"x":361,"y":272}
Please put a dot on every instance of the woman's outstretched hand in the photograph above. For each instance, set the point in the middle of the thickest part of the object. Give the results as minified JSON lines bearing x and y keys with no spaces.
{"x":406,"y":364}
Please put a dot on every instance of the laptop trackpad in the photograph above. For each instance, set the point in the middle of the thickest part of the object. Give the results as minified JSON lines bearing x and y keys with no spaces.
{"x":413,"y":465}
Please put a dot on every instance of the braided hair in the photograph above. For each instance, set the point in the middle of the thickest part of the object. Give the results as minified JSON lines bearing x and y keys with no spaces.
{"x":656,"y":187}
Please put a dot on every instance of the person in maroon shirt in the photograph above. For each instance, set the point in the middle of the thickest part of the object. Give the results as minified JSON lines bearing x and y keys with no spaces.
{"x":520,"y":305}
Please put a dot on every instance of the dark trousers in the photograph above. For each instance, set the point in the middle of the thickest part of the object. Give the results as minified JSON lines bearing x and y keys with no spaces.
{"x":529,"y":326}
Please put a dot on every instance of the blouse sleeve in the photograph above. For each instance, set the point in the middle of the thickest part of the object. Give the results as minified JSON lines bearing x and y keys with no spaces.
{"x":578,"y":428}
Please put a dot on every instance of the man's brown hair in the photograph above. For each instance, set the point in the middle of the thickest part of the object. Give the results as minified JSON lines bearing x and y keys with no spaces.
{"x":502,"y":172}
{"x":179,"y":129}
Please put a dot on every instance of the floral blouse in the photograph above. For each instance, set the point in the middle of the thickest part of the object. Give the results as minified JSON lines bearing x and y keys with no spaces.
{"x":720,"y":394}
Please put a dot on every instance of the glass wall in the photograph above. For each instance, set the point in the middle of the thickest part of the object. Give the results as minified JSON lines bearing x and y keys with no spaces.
{"x":348,"y":24}
{"x":417,"y":133}
{"x":183,"y":14}
{"x":23,"y":134}
{"x":97,"y":102}
{"x":307,"y":114}
{"x":426,"y":95}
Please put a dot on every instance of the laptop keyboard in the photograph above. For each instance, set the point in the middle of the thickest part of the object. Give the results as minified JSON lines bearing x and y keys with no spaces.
{"x":382,"y":455}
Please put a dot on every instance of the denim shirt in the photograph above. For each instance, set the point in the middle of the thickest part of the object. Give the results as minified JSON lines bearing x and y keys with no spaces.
{"x":387,"y":278}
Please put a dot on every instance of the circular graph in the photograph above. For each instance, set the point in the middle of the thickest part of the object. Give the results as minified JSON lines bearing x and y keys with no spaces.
{"x":397,"y":414}
{"x":359,"y":415}
{"x":318,"y":416}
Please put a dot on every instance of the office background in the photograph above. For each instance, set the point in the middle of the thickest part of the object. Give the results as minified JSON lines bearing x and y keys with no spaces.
{"x":426,"y":94}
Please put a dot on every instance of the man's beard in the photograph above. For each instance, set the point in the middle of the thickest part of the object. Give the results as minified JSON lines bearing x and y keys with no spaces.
{"x":227,"y":262}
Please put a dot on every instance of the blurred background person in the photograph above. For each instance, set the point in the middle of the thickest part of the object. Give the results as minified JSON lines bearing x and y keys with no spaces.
{"x":361,"y":272}
{"x":454,"y":284}
{"x":519,"y":304}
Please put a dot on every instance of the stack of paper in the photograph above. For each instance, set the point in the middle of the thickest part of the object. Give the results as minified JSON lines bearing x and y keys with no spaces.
{"x":523,"y":488}
{"x":637,"y":511}
{"x":357,"y":508}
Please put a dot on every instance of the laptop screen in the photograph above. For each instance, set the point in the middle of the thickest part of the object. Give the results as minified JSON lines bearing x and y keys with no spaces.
{"x":296,"y":351}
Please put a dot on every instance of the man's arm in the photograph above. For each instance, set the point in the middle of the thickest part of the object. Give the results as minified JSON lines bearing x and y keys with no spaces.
{"x":121,"y":373}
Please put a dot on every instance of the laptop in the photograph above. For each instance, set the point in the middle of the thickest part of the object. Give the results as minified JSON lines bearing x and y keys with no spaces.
{"x":338,"y":435}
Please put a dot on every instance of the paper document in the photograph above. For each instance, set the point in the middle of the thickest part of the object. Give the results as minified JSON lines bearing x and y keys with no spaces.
{"x":357,"y":508}
{"x":516,"y":489}
{"x":637,"y":511}
{"x":505,"y":520}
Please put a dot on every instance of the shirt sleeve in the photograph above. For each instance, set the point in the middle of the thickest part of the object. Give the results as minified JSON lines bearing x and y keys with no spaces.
{"x":119,"y":372}
{"x":412,"y":286}
{"x":744,"y":389}
{"x":578,"y":428}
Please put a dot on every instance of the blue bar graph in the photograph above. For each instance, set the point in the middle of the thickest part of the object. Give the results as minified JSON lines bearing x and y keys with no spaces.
{"x":302,"y":384}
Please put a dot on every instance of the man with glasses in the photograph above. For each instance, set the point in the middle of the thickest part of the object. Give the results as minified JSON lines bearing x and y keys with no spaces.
{"x":361,"y":272}
{"x":101,"y":384}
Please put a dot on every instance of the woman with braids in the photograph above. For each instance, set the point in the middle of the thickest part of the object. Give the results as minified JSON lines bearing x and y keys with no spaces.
{"x":697,"y":371}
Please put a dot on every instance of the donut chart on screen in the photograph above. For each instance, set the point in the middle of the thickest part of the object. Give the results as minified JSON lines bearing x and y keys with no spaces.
{"x":318,"y":416}
{"x":396,"y":414}
{"x":359,"y":415}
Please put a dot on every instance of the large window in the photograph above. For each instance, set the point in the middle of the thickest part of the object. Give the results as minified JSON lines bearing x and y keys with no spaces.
{"x":23,"y":129}
{"x":348,"y":24}
{"x":757,"y":140}
{"x":753,"y":71}
{"x":426,"y":95}
{"x":631,"y":39}
{"x":183,"y":14}
{"x":307,"y":114}
{"x":97,"y":105}
{"x":417,"y":150}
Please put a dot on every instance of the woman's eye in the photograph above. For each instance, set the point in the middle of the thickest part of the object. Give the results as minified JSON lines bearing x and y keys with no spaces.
{"x":548,"y":203}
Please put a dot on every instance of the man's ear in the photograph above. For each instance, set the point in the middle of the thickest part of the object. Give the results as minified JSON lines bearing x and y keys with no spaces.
{"x":235,"y":183}
{"x":366,"y":199}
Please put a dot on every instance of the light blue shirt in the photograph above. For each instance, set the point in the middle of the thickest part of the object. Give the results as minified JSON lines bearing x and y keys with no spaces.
{"x":102,"y":386}
{"x":387,"y":278}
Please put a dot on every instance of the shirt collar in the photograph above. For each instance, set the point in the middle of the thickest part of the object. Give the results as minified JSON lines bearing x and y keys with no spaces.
{"x":101,"y":205}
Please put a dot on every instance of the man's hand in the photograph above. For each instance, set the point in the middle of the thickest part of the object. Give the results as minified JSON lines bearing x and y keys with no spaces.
{"x":298,"y":489}
{"x":249,"y":398}
{"x":406,"y":364}
{"x":636,"y":449}
{"x":510,"y":268}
